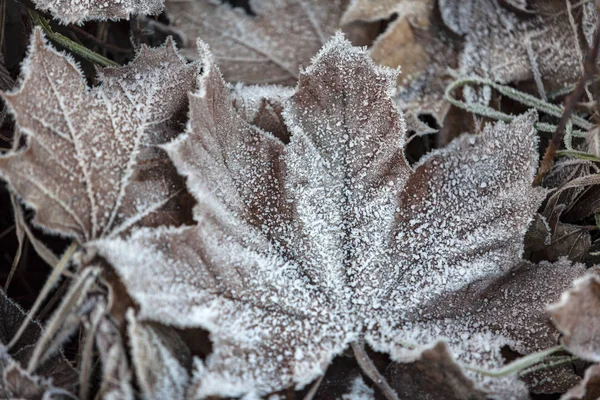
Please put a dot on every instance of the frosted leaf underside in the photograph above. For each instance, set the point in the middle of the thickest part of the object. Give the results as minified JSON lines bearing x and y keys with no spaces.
{"x":302,"y":248}
{"x":90,"y":168}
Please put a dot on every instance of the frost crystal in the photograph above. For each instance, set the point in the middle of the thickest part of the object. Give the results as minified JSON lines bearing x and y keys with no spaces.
{"x":302,"y":248}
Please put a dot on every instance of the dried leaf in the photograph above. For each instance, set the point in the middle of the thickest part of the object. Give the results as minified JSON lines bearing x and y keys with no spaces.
{"x":433,"y":375}
{"x":302,"y":249}
{"x":588,"y":388}
{"x":76,"y":11}
{"x":90,"y":168}
{"x":576,"y":316}
{"x":56,"y":377}
{"x":508,"y":43}
{"x":267,"y":47}
{"x":507,"y":47}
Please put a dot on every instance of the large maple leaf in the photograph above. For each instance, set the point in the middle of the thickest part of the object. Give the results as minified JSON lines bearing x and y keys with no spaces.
{"x":305,"y":248}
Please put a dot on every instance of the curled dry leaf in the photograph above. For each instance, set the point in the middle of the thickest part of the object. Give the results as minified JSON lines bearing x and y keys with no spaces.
{"x":577,"y":317}
{"x":90,"y":168}
{"x":301,"y":249}
{"x":56,"y":378}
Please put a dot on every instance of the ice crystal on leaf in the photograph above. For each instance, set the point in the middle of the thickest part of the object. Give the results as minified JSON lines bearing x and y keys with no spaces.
{"x":301,"y":249}
{"x":90,"y":168}
{"x":78,"y":11}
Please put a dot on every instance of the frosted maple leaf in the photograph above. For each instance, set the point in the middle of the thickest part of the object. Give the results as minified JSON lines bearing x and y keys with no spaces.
{"x":90,"y":167}
{"x":305,"y":248}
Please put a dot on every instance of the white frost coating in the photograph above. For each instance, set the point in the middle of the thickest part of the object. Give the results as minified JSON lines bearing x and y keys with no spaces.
{"x":359,"y":391}
{"x":78,"y":11}
{"x":301,"y":249}
{"x":88,"y":146}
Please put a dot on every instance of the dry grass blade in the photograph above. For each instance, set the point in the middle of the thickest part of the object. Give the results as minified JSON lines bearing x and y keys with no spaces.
{"x":87,"y":352}
{"x":78,"y":290}
{"x":20,"y":233}
{"x":52,"y":279}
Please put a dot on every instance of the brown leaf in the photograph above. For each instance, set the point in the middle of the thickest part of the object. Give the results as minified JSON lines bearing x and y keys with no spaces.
{"x":267,"y":47}
{"x":588,"y":388}
{"x":303,"y":248}
{"x":433,"y":375}
{"x":56,"y":377}
{"x":576,"y":316}
{"x":90,"y":168}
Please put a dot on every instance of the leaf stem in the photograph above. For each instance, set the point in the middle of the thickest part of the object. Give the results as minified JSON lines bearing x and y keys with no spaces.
{"x":549,"y":364}
{"x":69,"y":44}
{"x":516,"y":366}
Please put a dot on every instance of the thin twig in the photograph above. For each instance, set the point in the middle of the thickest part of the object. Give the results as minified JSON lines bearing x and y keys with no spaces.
{"x":589,"y":68}
{"x":366,"y":365}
